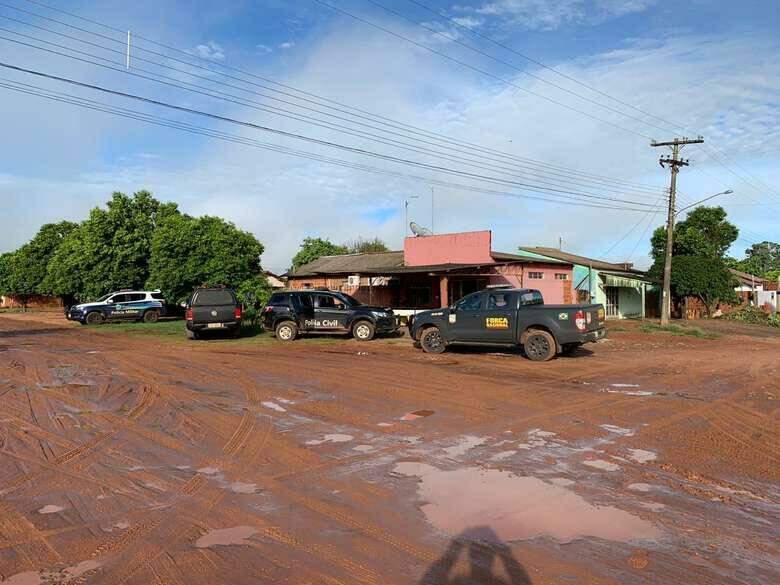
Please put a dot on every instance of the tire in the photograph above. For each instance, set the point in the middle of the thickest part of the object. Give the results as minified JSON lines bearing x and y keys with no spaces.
{"x":431,"y":341}
{"x":286,"y":331}
{"x":570,"y":348}
{"x":151,"y":316}
{"x":539,"y":346}
{"x":363,"y":331}
{"x":94,"y":318}
{"x":191,"y":334}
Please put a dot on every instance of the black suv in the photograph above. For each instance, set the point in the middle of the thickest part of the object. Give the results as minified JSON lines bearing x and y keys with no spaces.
{"x":212,"y":309}
{"x":322,"y":311}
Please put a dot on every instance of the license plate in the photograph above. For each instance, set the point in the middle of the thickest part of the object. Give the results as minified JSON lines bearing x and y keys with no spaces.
{"x":214,"y":325}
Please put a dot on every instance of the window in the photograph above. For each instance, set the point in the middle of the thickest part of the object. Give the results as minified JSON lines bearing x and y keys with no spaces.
{"x":158,"y":296}
{"x":282,"y":299}
{"x":561,"y":276}
{"x":328,"y":302}
{"x":306,"y":300}
{"x":121,"y":298}
{"x":136,"y":297}
{"x":469,"y":303}
{"x":213,"y":297}
{"x":351,"y":300}
{"x":536,"y":275}
{"x":533,"y":297}
{"x":498,"y":300}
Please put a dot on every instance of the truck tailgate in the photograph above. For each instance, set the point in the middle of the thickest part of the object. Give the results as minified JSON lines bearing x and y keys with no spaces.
{"x":213,"y":314}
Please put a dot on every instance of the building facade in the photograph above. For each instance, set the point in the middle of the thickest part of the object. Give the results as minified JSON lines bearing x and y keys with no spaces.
{"x":624,"y":291}
{"x":435,"y":271}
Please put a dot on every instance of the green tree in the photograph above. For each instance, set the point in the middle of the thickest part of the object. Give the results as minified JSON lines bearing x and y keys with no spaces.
{"x":363,"y":246}
{"x":254,"y":293}
{"x":705,"y":233}
{"x":707,"y":279}
{"x":6,"y":259}
{"x":110,"y":249}
{"x":313,"y":248}
{"x":191,"y":251}
{"x":761,"y":259}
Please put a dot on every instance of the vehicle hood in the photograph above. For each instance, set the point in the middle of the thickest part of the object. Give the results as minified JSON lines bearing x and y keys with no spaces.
{"x":387,"y":310}
{"x":83,"y":306}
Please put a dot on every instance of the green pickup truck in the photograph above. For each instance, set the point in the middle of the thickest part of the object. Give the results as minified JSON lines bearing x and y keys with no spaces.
{"x":510,"y":317}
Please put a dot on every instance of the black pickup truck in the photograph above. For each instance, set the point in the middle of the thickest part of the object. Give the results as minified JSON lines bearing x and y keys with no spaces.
{"x":510,"y":317}
{"x":324,"y":311}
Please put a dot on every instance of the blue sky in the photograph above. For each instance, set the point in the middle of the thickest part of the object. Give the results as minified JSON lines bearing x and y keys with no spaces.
{"x":708,"y":66}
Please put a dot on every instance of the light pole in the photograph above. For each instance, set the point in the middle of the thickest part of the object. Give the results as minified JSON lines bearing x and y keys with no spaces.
{"x":727,"y":192}
{"x":406,"y":213}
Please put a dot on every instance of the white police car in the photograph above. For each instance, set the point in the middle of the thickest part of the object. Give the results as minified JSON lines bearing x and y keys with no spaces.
{"x":133,"y":305}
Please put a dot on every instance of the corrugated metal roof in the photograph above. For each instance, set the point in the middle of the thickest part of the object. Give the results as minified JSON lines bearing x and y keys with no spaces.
{"x":351,"y":264}
{"x":575,"y":259}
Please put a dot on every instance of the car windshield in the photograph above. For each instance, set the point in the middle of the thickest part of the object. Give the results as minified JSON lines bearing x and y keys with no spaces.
{"x":350,"y":300}
{"x":212,"y":297}
{"x":103,"y":298}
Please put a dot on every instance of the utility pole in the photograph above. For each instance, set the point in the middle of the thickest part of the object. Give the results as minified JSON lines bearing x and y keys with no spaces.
{"x":675,"y":162}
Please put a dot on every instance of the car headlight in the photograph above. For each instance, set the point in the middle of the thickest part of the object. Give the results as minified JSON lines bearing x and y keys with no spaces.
{"x":379,"y":314}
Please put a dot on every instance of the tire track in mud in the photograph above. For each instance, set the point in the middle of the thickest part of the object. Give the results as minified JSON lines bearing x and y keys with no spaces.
{"x":36,"y":548}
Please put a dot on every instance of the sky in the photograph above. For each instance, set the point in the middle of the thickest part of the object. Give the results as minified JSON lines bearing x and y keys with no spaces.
{"x":513,"y":111}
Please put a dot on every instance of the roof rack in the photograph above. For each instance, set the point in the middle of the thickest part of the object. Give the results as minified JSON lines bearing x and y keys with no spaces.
{"x":498,"y":286}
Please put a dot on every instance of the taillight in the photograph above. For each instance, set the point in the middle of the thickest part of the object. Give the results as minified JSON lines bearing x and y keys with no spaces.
{"x":188,"y":314}
{"x":237,"y":314}
{"x":579,"y":320}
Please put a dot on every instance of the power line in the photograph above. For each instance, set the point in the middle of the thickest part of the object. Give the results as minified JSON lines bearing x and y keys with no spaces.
{"x":354,"y":150}
{"x":316,"y":99}
{"x":642,"y":219}
{"x":511,"y":65}
{"x":295,"y":115}
{"x":193,"y":129}
{"x":479,"y":70}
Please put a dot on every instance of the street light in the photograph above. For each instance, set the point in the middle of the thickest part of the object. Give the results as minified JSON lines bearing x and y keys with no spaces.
{"x":406,"y":213}
{"x":727,"y":192}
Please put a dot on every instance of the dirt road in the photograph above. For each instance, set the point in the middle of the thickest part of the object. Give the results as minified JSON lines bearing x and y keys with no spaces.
{"x":650,"y":458}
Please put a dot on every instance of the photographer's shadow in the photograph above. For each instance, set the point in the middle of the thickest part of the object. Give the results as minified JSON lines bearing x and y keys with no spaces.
{"x":490,"y":562}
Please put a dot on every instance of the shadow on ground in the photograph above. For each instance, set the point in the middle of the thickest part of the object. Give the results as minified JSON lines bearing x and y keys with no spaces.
{"x":489,"y":561}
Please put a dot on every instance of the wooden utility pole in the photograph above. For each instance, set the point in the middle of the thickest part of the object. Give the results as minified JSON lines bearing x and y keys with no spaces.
{"x":674,"y":163}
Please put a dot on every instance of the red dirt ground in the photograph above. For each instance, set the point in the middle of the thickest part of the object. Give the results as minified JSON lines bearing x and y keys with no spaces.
{"x":649,"y":458}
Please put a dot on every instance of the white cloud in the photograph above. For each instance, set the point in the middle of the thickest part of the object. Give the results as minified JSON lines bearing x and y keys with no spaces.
{"x":552,"y":14}
{"x":725,"y":87}
{"x":263,"y":49}
{"x":210,"y":50}
{"x":287,"y":45}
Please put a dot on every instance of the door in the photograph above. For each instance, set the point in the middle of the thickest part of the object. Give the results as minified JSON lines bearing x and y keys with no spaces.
{"x":134,"y":306}
{"x":304,"y":309}
{"x":330,"y":313}
{"x":499,"y":316}
{"x":117,"y":306}
{"x":613,"y":308}
{"x":468,"y":316}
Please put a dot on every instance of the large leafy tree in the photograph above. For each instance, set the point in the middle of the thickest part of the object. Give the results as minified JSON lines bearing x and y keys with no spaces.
{"x":190,"y":251}
{"x":109,"y":250}
{"x":363,"y":246}
{"x":761,"y":259}
{"x":705,"y":278}
{"x":313,"y":248}
{"x":705,"y":232}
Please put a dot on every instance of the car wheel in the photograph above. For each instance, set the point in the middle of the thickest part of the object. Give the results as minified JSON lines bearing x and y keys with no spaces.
{"x":191,"y":334}
{"x":94,"y":318}
{"x":151,"y":316}
{"x":539,"y":346}
{"x":570,"y":348}
{"x":363,"y":331}
{"x":431,"y":341}
{"x":286,"y":331}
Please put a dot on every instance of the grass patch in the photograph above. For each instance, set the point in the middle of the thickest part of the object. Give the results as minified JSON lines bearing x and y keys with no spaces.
{"x":678,"y":330}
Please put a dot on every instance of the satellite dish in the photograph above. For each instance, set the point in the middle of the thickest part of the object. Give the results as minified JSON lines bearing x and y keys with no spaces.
{"x":419,"y":230}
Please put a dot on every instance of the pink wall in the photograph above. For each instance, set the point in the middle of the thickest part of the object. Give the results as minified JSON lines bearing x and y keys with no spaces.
{"x":461,"y":248}
{"x":554,"y":291}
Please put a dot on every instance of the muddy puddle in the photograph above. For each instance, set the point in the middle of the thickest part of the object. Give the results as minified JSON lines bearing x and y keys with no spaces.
{"x":70,"y":574}
{"x":225,"y":537}
{"x":517,"y":507}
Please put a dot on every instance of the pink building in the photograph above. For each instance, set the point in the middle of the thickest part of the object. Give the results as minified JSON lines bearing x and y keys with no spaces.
{"x":435,"y":271}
